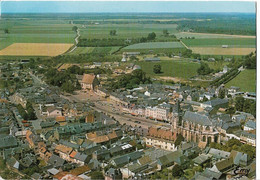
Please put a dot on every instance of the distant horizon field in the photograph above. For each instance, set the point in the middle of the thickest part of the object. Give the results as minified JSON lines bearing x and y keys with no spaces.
{"x":222,"y":51}
{"x":209,"y":35}
{"x":231,"y":42}
{"x":246,"y":80}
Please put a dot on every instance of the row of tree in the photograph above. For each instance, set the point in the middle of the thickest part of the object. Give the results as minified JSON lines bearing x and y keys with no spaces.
{"x":130,"y":81}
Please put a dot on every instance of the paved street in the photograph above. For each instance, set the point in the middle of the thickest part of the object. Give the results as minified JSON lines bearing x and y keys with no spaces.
{"x":111,"y":109}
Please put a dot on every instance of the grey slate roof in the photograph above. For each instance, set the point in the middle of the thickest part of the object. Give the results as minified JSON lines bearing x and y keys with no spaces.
{"x":251,"y":124}
{"x":8,"y":141}
{"x":197,"y":118}
{"x":56,"y":161}
{"x":216,"y":102}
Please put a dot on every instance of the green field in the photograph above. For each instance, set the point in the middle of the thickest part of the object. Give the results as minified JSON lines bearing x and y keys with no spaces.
{"x":35,"y":31}
{"x":231,"y":42}
{"x":155,"y":45}
{"x":206,"y":35}
{"x":94,"y":50}
{"x":181,"y":69}
{"x":246,"y":80}
{"x":124,"y":31}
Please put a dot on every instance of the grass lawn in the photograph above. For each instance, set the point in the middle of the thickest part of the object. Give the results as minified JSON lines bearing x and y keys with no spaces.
{"x":231,"y":42}
{"x":246,"y":80}
{"x":181,"y":69}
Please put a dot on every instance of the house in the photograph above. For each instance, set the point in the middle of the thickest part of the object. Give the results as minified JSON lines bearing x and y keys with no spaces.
{"x":127,"y":158}
{"x":56,"y":161}
{"x":161,"y":137}
{"x":240,"y":159}
{"x":8,"y":142}
{"x":152,"y":59}
{"x":250,"y":125}
{"x":89,"y":81}
{"x":170,"y":159}
{"x":215,"y":103}
{"x":79,"y":158}
{"x":201,"y":159}
{"x":233,"y":89}
{"x":223,"y":166}
{"x":112,"y":174}
{"x":13,"y":163}
{"x":63,"y":151}
{"x":248,"y":138}
{"x":207,"y":174}
{"x":218,"y":154}
{"x":53,"y":111}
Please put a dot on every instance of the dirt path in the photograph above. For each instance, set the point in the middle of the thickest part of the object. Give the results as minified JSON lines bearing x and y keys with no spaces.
{"x":184,"y":44}
{"x":76,"y":41}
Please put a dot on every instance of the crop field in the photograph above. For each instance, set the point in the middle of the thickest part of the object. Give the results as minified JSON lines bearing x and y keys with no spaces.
{"x":208,"y":35}
{"x":89,"y":50}
{"x":222,"y":51}
{"x":125,"y":31}
{"x":181,"y":69}
{"x":35,"y":49}
{"x":35,"y":31}
{"x":231,"y":42}
{"x":155,"y":45}
{"x":246,"y":80}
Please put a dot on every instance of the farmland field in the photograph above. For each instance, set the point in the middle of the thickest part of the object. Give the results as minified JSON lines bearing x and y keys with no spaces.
{"x":209,"y":36}
{"x":125,"y":31}
{"x":181,"y":69}
{"x":35,"y":31}
{"x":231,"y":42}
{"x":155,"y":45}
{"x":222,"y":51}
{"x":246,"y":80}
{"x":35,"y":49}
{"x":89,"y":50}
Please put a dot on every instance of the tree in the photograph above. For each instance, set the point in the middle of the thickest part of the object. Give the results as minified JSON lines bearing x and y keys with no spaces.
{"x":74,"y":28}
{"x":222,"y":93}
{"x":112,"y":33}
{"x":239,"y":103}
{"x":204,"y":69}
{"x":151,"y":36}
{"x":177,"y":171}
{"x":6,"y":31}
{"x":179,"y":139}
{"x":165,"y":32}
{"x":157,"y":68}
{"x":231,"y":111}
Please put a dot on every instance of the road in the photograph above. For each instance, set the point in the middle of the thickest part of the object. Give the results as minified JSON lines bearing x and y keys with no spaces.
{"x":76,"y":41}
{"x":36,"y":79}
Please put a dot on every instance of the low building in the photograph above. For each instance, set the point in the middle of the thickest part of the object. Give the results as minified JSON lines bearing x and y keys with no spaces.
{"x":248,"y":138}
{"x":250,"y":125}
{"x":89,"y":82}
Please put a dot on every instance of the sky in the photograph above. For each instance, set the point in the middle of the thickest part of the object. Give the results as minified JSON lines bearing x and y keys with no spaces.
{"x":125,"y":6}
